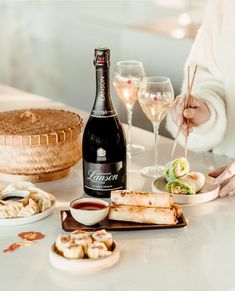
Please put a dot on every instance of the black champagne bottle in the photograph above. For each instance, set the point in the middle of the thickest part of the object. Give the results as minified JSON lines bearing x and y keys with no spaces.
{"x":104,"y":145}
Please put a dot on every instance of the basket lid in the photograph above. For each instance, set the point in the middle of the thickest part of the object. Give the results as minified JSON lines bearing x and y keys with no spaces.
{"x":38,"y":126}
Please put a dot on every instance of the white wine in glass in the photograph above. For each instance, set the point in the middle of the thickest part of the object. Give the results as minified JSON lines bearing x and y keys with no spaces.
{"x":155,"y":95}
{"x":127,"y":78}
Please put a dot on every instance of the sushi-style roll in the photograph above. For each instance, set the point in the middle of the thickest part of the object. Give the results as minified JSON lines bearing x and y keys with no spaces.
{"x":190,"y":184}
{"x":104,"y":237}
{"x":81,"y":237}
{"x":74,"y":251}
{"x":181,"y":186}
{"x":63,"y":242}
{"x":176,"y":169}
{"x":198,"y":179}
{"x":97,"y":250}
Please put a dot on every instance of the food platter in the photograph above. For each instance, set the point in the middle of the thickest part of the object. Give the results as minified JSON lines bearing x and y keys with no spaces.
{"x":83,"y":266}
{"x":209,"y":192}
{"x":27,"y":219}
{"x":70,"y":224}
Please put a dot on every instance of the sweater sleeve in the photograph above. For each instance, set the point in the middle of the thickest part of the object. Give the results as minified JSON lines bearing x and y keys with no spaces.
{"x":208,"y":85}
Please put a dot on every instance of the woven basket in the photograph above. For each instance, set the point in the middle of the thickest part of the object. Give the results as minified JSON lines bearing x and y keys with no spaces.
{"x":39,"y":144}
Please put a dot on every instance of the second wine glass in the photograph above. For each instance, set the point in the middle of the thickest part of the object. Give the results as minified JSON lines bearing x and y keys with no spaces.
{"x":155,"y":97}
{"x":127,"y":78}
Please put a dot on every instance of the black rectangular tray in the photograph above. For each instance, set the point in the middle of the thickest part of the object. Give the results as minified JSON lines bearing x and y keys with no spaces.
{"x":70,"y":224}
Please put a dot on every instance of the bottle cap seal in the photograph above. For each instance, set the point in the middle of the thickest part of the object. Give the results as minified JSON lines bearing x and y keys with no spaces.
{"x":102,"y":57}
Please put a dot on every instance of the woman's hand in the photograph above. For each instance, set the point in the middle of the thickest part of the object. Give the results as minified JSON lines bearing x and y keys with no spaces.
{"x":225,"y":176}
{"x":197,"y":113}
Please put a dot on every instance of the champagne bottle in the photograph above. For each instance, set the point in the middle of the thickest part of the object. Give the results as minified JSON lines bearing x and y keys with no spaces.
{"x":104,"y":145}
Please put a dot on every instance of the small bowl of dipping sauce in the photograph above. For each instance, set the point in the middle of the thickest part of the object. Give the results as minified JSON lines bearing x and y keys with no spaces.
{"x":89,"y":211}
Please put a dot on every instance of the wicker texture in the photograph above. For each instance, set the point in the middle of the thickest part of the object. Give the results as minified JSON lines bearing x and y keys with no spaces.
{"x":39,"y":141}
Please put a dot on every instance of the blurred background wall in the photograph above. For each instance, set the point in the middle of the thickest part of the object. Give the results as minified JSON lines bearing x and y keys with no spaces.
{"x":46,"y":47}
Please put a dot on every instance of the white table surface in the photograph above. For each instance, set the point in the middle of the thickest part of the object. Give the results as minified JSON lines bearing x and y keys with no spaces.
{"x":200,"y":256}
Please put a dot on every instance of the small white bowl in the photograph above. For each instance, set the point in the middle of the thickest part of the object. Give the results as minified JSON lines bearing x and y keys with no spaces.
{"x":89,"y":217}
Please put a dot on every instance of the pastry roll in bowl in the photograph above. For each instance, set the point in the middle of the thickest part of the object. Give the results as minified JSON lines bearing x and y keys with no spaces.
{"x":80,"y":234}
{"x":97,"y":250}
{"x":63,"y":242}
{"x":74,"y":251}
{"x":104,"y":237}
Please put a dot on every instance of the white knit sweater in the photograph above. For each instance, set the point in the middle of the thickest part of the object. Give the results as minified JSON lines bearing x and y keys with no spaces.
{"x":214,"y":53}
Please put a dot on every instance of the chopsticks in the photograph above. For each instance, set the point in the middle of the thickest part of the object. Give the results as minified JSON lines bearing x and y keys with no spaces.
{"x":186,"y":106}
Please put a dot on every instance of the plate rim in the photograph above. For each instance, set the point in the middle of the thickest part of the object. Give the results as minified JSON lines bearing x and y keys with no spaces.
{"x":191,"y":197}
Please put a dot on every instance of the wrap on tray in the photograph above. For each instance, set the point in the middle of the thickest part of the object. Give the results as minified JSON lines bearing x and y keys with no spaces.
{"x":142,"y":214}
{"x":148,"y":199}
{"x":176,"y":169}
{"x":190,"y":184}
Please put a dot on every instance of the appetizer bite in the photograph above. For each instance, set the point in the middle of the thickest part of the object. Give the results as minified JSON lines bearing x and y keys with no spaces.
{"x":180,"y":181}
{"x":82,"y":238}
{"x":82,"y":245}
{"x":142,"y":214}
{"x":176,"y":169}
{"x":97,"y":250}
{"x":80,"y":234}
{"x":63,"y":242}
{"x":9,"y":209}
{"x":134,"y":198}
{"x":104,"y":237}
{"x":181,"y":186}
{"x":143,"y":207}
{"x":198,"y":179}
{"x":74,"y":251}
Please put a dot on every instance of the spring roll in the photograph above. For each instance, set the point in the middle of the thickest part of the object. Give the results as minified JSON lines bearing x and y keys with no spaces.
{"x":147,"y":199}
{"x":198,"y":179}
{"x":141,"y":214}
{"x":190,"y":184}
{"x":176,"y":169}
{"x":181,"y":186}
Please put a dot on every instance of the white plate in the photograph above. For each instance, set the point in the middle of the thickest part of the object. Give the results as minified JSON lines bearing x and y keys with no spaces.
{"x":83,"y":266}
{"x":208,"y":192}
{"x":28,"y":219}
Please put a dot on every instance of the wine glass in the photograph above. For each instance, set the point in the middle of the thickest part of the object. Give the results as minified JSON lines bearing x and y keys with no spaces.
{"x":155,"y":96}
{"x":127,"y":78}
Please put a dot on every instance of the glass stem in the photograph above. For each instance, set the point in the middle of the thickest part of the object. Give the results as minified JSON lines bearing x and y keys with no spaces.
{"x":129,"y":121}
{"x":156,"y":132}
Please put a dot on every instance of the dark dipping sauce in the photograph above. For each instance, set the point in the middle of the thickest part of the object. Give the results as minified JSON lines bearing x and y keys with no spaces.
{"x":88,"y":206}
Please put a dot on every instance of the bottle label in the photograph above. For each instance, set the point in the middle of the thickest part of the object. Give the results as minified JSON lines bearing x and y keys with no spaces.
{"x":104,"y":177}
{"x":103,"y":106}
